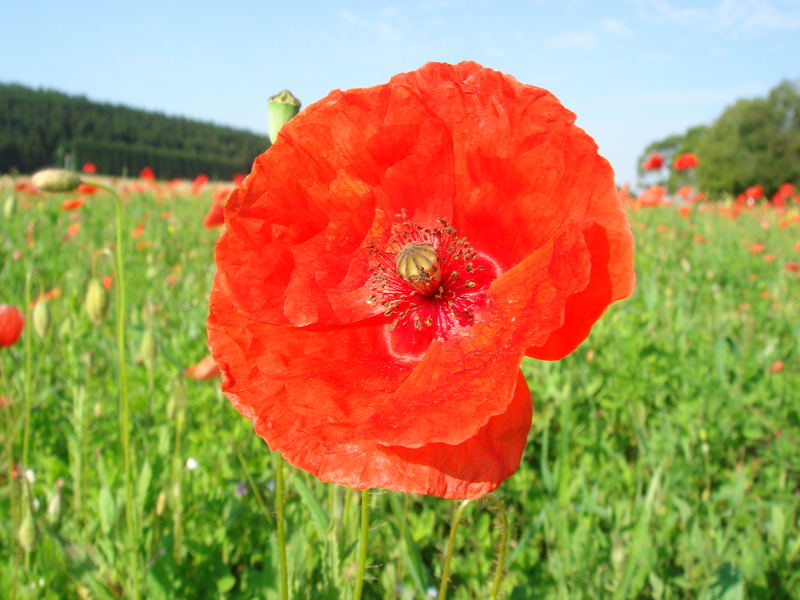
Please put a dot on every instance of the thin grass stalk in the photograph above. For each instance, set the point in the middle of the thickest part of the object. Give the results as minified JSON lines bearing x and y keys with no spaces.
{"x":279,"y":509}
{"x":26,"y":408}
{"x":124,"y":404}
{"x":502,"y":546}
{"x":363,"y":540}
{"x":451,"y":543}
{"x":10,"y":435}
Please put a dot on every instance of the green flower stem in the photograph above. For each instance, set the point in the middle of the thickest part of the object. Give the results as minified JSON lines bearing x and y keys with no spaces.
{"x":451,"y":542}
{"x":279,"y":498}
{"x":124,"y":404}
{"x":502,"y":545}
{"x":363,"y":538}
{"x":26,"y":428}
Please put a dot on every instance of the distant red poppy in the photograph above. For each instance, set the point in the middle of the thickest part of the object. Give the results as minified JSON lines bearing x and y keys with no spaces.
{"x":655,"y":195}
{"x":685,"y":161}
{"x":11,"y":323}
{"x":147,"y":174}
{"x":776,"y":367}
{"x":784,"y":192}
{"x":107,"y":281}
{"x":654,"y":162}
{"x":72,"y":203}
{"x":73,"y":230}
{"x":89,"y":167}
{"x":754,"y":192}
{"x":792,"y":267}
{"x":238,"y":178}
{"x":390,"y":260}
{"x":757,"y":248}
{"x":137,"y":231}
{"x":199,"y":182}
{"x":205,"y":369}
{"x":87,"y":189}
{"x":215,"y":216}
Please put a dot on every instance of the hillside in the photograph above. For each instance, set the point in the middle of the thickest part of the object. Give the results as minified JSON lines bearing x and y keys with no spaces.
{"x":41,"y":128}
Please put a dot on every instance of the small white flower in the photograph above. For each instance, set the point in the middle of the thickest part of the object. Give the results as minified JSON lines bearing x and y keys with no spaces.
{"x":30,"y":476}
{"x":191,"y":464}
{"x":431,"y":592}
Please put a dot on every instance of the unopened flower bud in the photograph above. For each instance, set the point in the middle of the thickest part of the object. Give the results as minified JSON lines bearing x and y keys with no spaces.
{"x":65,"y":329}
{"x":55,"y":506}
{"x":56,"y":180}
{"x":280,"y":108}
{"x":161,"y":502}
{"x":418,"y":264}
{"x":41,"y":318}
{"x":9,"y":205}
{"x":147,"y":350}
{"x":96,"y":303}
{"x":26,"y":534}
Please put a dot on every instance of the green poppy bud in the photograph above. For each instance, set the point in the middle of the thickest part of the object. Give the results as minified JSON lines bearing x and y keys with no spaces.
{"x":56,"y":180}
{"x":26,"y":534}
{"x":96,"y":302}
{"x":9,"y":205}
{"x":65,"y":329}
{"x":41,"y":318}
{"x":280,"y":108}
{"x":55,"y":507}
{"x":147,"y":350}
{"x":161,"y":503}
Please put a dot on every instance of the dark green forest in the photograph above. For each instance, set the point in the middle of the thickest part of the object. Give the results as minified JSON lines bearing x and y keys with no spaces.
{"x":753,"y":142}
{"x":40,"y":128}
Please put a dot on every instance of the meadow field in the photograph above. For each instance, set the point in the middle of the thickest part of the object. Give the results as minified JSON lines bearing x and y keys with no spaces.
{"x":663,"y":461}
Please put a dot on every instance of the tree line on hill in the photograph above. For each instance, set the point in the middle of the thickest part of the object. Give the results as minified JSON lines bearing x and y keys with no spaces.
{"x":753,"y":142}
{"x":40,"y":128}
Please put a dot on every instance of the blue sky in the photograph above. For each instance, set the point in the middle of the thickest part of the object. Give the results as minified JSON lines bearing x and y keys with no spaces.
{"x":633,"y":70}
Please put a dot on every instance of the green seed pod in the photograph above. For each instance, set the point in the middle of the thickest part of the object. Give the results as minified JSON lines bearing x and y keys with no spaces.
{"x":9,"y":206}
{"x":56,"y":180}
{"x":280,"y":108}
{"x":147,"y":350}
{"x":55,"y":508}
{"x":65,"y":329}
{"x":161,"y":502}
{"x":41,"y":318}
{"x":27,"y":532}
{"x":96,"y":303}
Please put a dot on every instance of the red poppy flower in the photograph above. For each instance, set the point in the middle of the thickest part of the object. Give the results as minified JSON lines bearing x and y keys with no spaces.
{"x":147,"y":174}
{"x":11,"y":322}
{"x":89,"y":167}
{"x":685,"y":161}
{"x":72,"y":203}
{"x":214,"y":217}
{"x":654,"y":162}
{"x":199,"y":182}
{"x":390,"y":260}
{"x":755,"y":192}
{"x":87,"y":189}
{"x":205,"y":369}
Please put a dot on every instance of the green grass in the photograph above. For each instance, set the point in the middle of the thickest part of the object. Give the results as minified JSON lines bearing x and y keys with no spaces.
{"x":662,"y":463}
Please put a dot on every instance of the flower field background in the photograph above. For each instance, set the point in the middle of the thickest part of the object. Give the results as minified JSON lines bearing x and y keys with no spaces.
{"x":662,"y":462}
